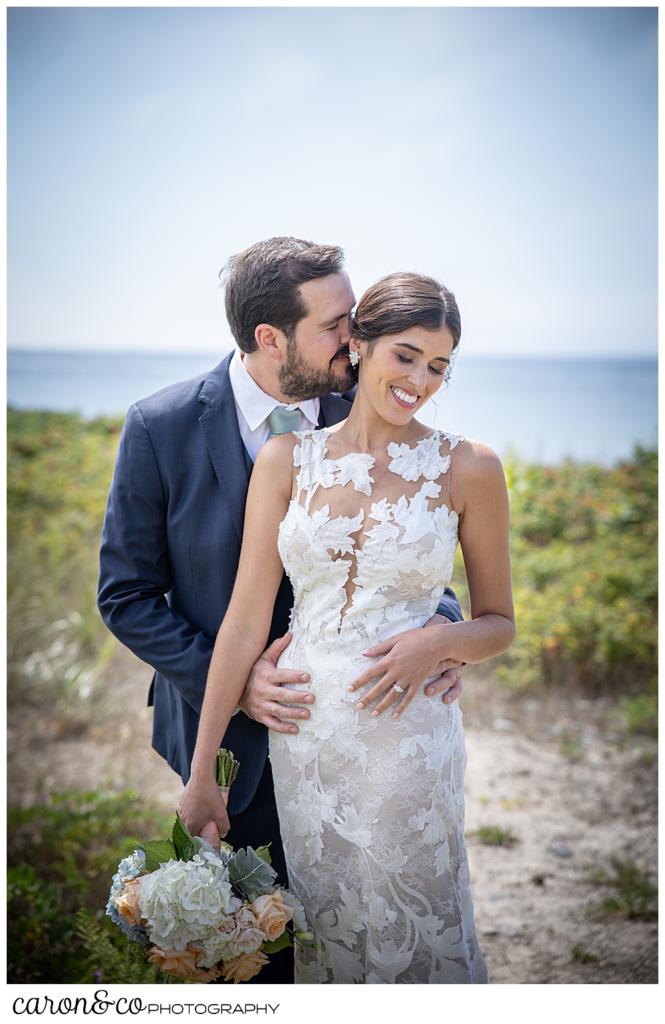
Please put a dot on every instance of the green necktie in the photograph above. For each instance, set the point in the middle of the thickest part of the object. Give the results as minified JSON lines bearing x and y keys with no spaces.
{"x":282,"y":421}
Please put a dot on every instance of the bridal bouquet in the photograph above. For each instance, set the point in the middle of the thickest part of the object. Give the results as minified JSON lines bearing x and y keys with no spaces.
{"x":201,"y":913}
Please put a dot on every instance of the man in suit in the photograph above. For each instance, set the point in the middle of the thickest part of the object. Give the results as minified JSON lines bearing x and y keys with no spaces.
{"x":174,"y":518}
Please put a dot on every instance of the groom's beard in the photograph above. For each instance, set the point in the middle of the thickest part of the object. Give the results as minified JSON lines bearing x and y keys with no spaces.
{"x":299,"y":380}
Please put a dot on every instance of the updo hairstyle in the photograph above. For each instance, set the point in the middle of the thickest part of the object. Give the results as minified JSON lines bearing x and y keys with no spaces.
{"x":400,"y":301}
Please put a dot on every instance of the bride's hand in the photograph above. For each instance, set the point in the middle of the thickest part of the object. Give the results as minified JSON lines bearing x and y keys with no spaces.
{"x":203,"y":802}
{"x":210,"y":833}
{"x":406,"y":660}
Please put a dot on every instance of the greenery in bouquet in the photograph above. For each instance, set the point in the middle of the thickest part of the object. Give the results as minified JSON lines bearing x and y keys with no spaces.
{"x":202,"y":913}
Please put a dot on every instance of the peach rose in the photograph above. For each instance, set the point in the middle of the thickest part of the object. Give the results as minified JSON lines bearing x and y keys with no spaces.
{"x":243,"y":967}
{"x":128,"y":901}
{"x":272,"y":914}
{"x":181,"y":964}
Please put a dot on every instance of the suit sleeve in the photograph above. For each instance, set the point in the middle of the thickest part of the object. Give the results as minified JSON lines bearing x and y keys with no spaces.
{"x":135,"y":573}
{"x":449,"y":606}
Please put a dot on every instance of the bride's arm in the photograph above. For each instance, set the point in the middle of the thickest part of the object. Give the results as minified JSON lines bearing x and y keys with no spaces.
{"x":484,"y":539}
{"x":243,"y":634}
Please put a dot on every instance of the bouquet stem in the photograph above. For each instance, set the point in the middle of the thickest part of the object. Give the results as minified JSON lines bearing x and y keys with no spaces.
{"x":227,"y":769}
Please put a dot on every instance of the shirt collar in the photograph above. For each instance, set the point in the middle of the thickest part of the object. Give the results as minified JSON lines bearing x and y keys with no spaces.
{"x":255,"y":404}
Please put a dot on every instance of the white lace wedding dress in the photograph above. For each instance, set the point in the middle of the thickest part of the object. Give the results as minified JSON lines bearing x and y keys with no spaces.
{"x":372,"y":809}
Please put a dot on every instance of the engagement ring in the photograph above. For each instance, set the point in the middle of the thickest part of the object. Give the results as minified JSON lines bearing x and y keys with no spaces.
{"x":397,"y":688}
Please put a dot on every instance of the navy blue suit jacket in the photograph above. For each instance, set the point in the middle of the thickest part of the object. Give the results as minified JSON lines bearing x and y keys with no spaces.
{"x":169,"y":555}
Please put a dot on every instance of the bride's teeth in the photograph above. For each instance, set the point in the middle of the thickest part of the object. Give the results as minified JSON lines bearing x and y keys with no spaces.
{"x":411,"y":399}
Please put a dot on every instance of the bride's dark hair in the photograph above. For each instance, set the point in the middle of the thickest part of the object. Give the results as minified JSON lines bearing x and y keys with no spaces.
{"x":399,"y":301}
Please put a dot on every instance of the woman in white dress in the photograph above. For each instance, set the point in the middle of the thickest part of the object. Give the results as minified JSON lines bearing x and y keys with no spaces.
{"x":365,"y":517}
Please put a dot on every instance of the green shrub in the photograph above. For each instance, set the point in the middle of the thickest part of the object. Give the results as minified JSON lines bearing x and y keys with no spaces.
{"x":58,"y":474}
{"x":633,"y":896}
{"x":584,"y":553}
{"x":495,"y":835}
{"x":641,"y":712}
{"x":110,"y":959}
{"x":61,"y":857}
{"x":583,"y":538}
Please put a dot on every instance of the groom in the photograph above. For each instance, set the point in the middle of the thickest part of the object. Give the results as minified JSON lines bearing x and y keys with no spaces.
{"x":174,"y":518}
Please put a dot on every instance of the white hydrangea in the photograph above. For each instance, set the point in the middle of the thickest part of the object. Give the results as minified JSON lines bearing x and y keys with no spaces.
{"x":186,"y":902}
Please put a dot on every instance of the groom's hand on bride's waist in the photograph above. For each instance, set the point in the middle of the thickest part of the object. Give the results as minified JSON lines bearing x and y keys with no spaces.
{"x":449,"y":683}
{"x":268,"y":698}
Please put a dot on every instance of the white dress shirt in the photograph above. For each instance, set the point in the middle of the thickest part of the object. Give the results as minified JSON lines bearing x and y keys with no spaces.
{"x":253,"y":407}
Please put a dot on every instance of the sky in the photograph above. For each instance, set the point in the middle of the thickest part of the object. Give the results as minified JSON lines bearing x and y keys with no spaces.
{"x":509,"y":152}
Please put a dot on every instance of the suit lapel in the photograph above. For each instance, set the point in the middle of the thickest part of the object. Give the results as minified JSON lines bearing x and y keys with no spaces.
{"x":228,"y":455}
{"x":219,"y":423}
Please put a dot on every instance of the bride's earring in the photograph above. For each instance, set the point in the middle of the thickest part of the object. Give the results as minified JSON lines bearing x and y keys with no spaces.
{"x":448,"y":372}
{"x":436,"y":412}
{"x":354,"y":357}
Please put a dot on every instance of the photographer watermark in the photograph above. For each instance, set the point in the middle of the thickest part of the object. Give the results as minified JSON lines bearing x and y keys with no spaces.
{"x":99,"y":1004}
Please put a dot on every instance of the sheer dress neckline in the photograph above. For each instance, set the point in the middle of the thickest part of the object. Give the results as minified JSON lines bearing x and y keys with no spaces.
{"x":410,"y":461}
{"x":363,"y":546}
{"x":412,"y":445}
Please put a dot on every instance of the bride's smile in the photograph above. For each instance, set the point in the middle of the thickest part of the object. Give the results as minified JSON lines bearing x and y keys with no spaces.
{"x":398,"y":373}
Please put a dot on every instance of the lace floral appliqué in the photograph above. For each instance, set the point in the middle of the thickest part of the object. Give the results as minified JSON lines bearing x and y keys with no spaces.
{"x":372,"y":810}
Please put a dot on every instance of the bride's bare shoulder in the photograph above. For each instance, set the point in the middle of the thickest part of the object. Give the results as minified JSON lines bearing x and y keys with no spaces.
{"x":475,"y":454}
{"x":477,"y":466}
{"x":276,"y":455}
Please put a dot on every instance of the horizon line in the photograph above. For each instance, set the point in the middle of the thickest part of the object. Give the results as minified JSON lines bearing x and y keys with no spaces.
{"x":188,"y":353}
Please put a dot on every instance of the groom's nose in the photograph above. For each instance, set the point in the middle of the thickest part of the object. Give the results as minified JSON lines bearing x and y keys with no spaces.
{"x":345,"y":330}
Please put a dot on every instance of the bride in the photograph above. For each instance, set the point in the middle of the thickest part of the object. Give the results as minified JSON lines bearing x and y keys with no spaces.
{"x":365,"y":518}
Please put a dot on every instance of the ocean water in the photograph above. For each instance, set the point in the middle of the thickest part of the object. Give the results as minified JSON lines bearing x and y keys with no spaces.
{"x":544,"y":409}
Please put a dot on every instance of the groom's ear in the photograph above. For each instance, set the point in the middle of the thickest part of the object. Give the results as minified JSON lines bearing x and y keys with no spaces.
{"x":271,"y":341}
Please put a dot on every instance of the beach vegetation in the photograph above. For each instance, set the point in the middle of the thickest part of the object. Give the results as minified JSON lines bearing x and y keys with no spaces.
{"x":584,"y":549}
{"x":61,"y":856}
{"x":632,"y":894}
{"x":496,"y":835}
{"x":584,"y":557}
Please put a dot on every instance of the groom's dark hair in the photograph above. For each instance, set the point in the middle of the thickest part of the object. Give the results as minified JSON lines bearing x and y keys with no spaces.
{"x":263,"y":284}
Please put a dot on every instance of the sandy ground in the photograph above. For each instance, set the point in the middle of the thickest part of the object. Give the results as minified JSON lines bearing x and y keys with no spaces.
{"x":556,"y":771}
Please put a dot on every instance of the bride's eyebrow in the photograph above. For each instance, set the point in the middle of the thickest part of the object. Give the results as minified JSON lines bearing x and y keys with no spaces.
{"x":404,"y":344}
